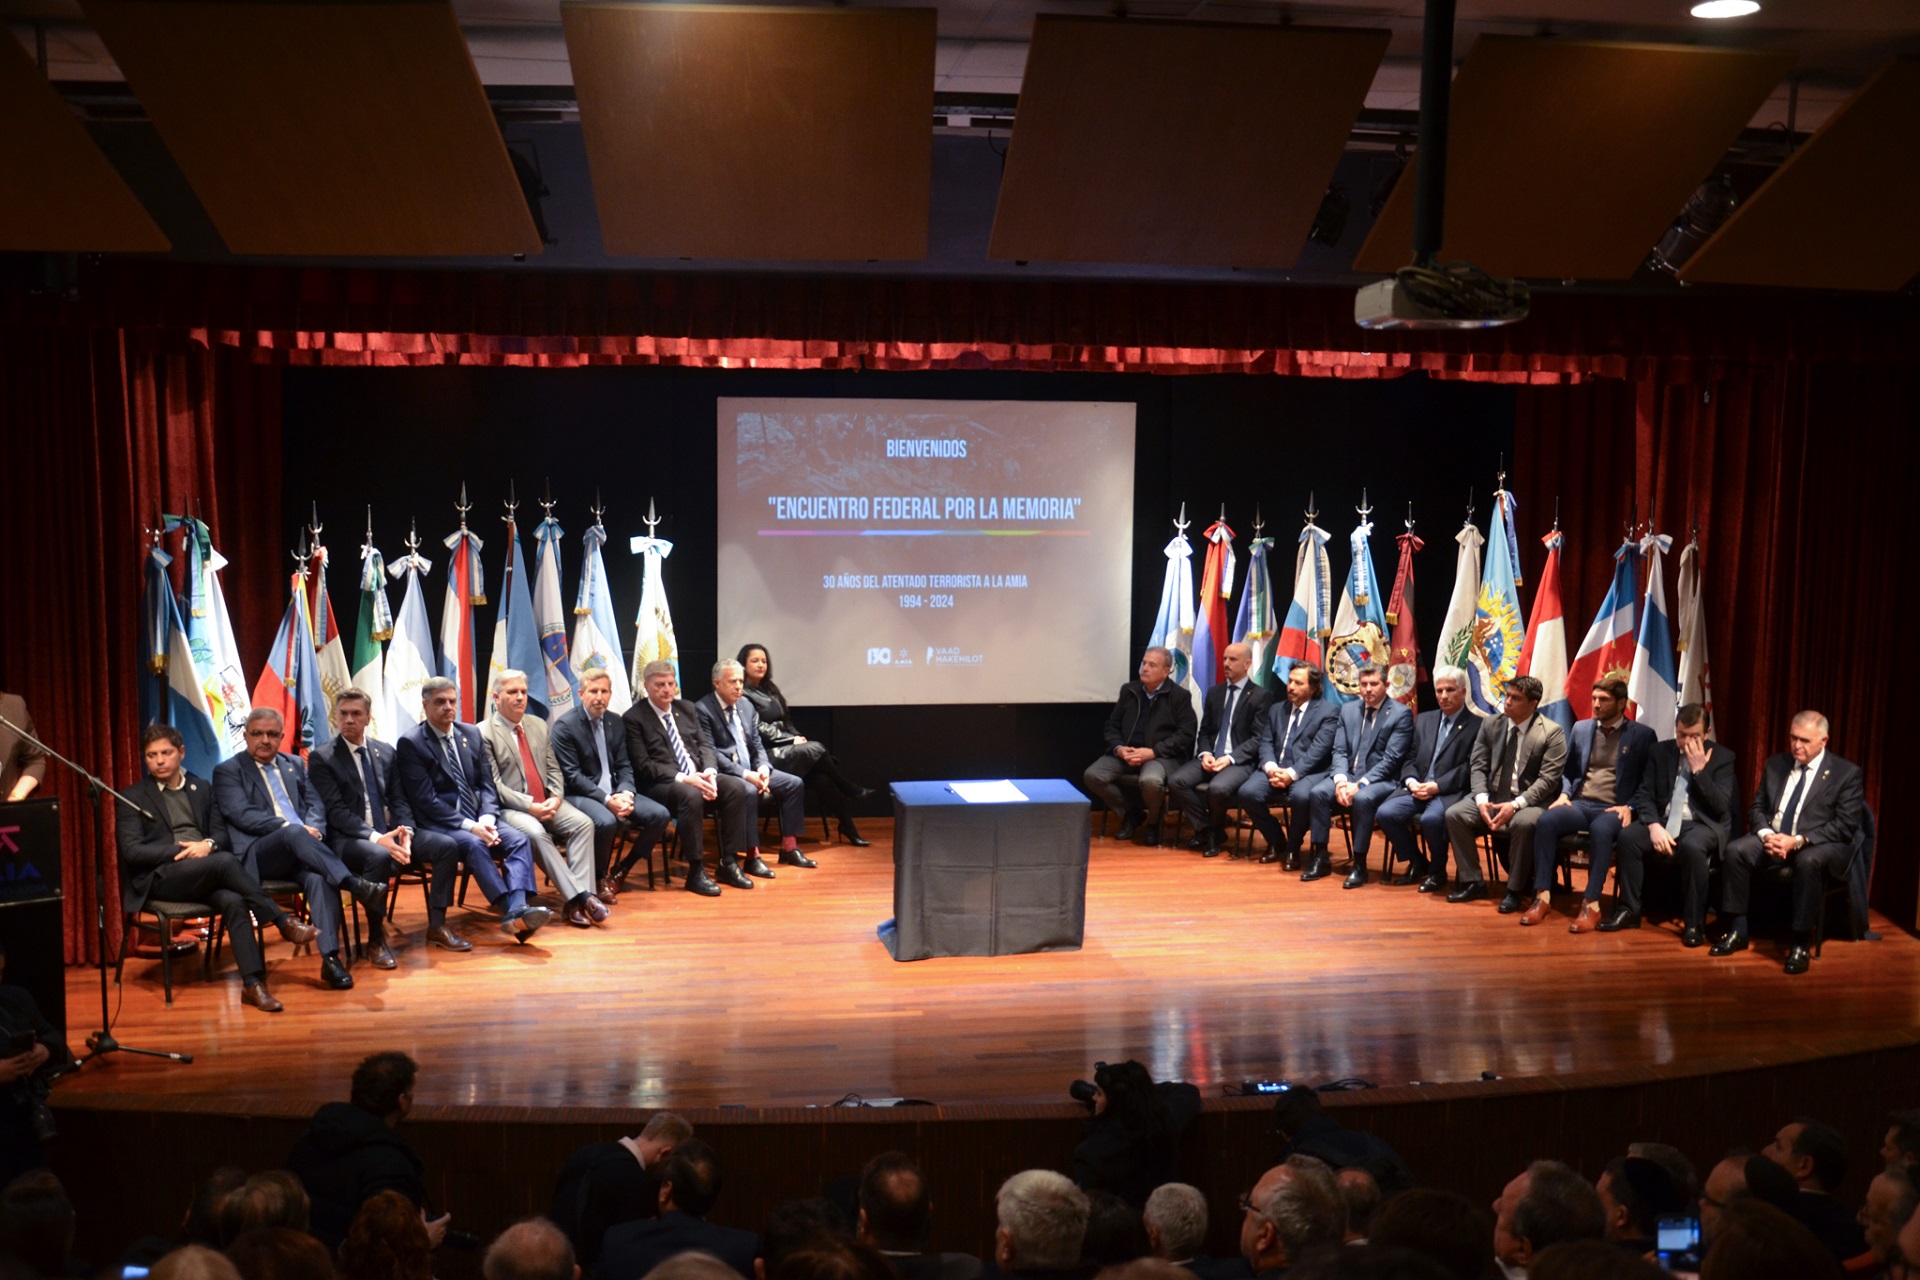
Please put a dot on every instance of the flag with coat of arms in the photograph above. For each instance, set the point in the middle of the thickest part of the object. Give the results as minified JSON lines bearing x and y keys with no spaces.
{"x":330,"y":651}
{"x":374,"y":625}
{"x":516,"y":641}
{"x":1359,"y":623}
{"x":1463,"y":607}
{"x":466,"y":587}
{"x":653,"y":636}
{"x":1405,"y":671}
{"x":550,"y":620}
{"x":1493,"y":654}
{"x":216,"y":657}
{"x":1255,"y":626}
{"x":290,"y":681}
{"x":595,"y":629}
{"x":174,"y":695}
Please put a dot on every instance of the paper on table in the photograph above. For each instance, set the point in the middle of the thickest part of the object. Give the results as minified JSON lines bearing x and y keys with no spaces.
{"x":1002,"y":792}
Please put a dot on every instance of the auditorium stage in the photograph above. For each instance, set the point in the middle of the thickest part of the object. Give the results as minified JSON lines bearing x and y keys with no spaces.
{"x":1212,"y":971}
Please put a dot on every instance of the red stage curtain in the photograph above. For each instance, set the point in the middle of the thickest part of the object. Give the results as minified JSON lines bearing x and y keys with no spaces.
{"x":107,"y":435}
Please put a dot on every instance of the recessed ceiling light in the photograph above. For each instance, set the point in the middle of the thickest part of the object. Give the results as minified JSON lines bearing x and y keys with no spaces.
{"x":1725,"y":8}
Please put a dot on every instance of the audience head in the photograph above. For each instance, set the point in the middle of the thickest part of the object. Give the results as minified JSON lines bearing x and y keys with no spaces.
{"x":37,"y":1222}
{"x":202,"y":1224}
{"x":1042,"y":1222}
{"x":1367,"y":1262}
{"x":194,"y":1262}
{"x":896,"y":1212}
{"x":1757,"y":1241}
{"x":1547,"y":1204}
{"x":1635,"y":1192}
{"x":531,"y":1249}
{"x":279,"y":1253}
{"x":387,"y":1241}
{"x":1295,"y":1207}
{"x":1439,"y":1225}
{"x":690,"y":1179}
{"x":383,"y":1085}
{"x":1724,"y":1181}
{"x":1901,"y":1145}
{"x":272,"y":1199}
{"x":1176,"y":1221}
{"x":663,"y":1131}
{"x":831,"y":1258}
{"x":1124,"y":1093}
{"x":1592,"y":1260}
{"x":1291,"y":1111}
{"x":1686,"y":1179}
{"x":1891,"y":1200}
{"x":1903,"y":1260}
{"x":1115,"y":1234}
{"x":1362,"y":1195}
{"x":795,"y":1224}
{"x":1814,"y":1153}
{"x":694,"y":1264}
{"x":1770,"y":1184}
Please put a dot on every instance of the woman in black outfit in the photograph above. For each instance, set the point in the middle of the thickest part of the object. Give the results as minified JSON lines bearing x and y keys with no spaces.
{"x":792,"y":753}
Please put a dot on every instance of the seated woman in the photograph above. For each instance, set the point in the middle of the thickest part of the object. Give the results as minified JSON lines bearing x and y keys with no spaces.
{"x":795,"y":754}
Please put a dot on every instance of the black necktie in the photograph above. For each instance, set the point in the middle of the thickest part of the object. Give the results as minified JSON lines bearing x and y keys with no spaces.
{"x":1509,"y":753}
{"x":1224,"y":739}
{"x":370,"y":778}
{"x":1790,"y":811}
{"x":1439,"y":742}
{"x":1366,"y":733}
{"x":1292,"y":720}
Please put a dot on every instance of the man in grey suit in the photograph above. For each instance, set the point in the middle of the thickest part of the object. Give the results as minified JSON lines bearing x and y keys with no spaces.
{"x":733,"y":726}
{"x":533,"y":801}
{"x":1518,"y":760}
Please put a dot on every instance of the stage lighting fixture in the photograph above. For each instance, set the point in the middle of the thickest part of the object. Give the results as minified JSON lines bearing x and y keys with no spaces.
{"x":1705,"y":210}
{"x":1725,"y":8}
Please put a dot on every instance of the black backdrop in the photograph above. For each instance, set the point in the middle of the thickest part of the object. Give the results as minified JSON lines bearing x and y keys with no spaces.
{"x":403,"y":441}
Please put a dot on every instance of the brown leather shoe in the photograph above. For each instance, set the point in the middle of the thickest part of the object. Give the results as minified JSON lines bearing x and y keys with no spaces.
{"x":298,"y":932}
{"x":596,"y":910}
{"x":257,"y":995}
{"x":607,"y":891}
{"x":577,"y":917}
{"x":1587,"y":919}
{"x":380,"y":955}
{"x":447,"y":940}
{"x":1536,"y":911}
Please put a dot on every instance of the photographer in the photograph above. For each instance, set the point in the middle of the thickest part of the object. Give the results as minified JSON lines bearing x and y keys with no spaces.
{"x":1133,"y":1136}
{"x":31,"y":1053}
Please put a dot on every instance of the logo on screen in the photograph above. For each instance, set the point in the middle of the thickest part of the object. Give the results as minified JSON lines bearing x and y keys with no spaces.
{"x":879,"y":657}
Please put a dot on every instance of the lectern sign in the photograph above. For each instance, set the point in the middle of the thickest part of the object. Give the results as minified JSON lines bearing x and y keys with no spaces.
{"x":29,"y":852}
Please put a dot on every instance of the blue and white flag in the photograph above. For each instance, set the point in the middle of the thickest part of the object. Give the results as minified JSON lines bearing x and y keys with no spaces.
{"x":595,"y":629}
{"x":157,"y":610}
{"x":516,"y":640}
{"x":172,"y":692}
{"x":653,"y":637}
{"x":1309,"y":620}
{"x":410,"y":662}
{"x":550,"y":618}
{"x":1256,"y":626}
{"x":1652,"y":683}
{"x":290,"y":680}
{"x":1499,"y":631}
{"x":1359,"y":623}
{"x":216,"y":657}
{"x":1173,"y":628}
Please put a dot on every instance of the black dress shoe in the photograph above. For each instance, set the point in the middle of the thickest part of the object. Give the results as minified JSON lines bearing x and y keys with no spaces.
{"x":1693,"y":936}
{"x":1291,"y":862}
{"x":1728,"y":945}
{"x":1318,"y":868}
{"x":1355,"y":878}
{"x":447,"y":940}
{"x":1197,"y":841}
{"x":849,"y":836}
{"x":1433,"y":884}
{"x":755,"y":867}
{"x":1511,"y":902}
{"x":795,"y":858}
{"x":1153,"y":837}
{"x":1412,"y":875}
{"x":1799,"y":959}
{"x":380,"y":956}
{"x":703,"y":885}
{"x":730,"y":876}
{"x":1620,"y":919}
{"x":335,"y":974}
{"x":1471,"y":891}
{"x":1272,"y":856}
{"x":1129,"y":828}
{"x":372,"y":897}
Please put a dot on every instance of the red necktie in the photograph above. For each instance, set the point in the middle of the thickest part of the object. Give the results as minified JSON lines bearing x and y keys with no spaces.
{"x":534,"y":789}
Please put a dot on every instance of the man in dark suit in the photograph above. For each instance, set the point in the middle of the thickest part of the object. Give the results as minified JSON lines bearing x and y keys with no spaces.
{"x":597,"y":774}
{"x":733,"y":727}
{"x":1294,"y":749}
{"x":605,"y":1184}
{"x":1518,"y":759}
{"x":176,"y":855}
{"x":1683,"y":809}
{"x":23,"y":766}
{"x":444,"y":771}
{"x":1816,"y":1155}
{"x":1149,"y":733}
{"x":674,"y":764}
{"x":1433,"y":780}
{"x":896,"y":1218}
{"x":1371,"y":740}
{"x":527,"y":782}
{"x":369,"y":822}
{"x":689,"y":1186}
{"x":1606,"y":760}
{"x":278,"y":828}
{"x":1205,"y":786}
{"x":1805,"y":814}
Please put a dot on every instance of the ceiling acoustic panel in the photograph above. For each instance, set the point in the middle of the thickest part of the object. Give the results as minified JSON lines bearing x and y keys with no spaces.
{"x":1568,"y":159}
{"x":1177,"y":143}
{"x":62,"y":194}
{"x":1839,"y":214}
{"x":739,"y":132}
{"x":324,"y":128}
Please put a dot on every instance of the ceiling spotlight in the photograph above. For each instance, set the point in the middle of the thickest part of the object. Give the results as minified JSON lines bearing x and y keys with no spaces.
{"x":1709,"y":207}
{"x":1725,"y":8}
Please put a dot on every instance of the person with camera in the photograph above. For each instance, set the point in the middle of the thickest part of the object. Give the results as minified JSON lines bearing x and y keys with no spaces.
{"x":31,"y":1054}
{"x":1130,"y":1140}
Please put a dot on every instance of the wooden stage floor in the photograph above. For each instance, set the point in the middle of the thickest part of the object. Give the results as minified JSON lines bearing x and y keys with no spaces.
{"x":1212,"y":971}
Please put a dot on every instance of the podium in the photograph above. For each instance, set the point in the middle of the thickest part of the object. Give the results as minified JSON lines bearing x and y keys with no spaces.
{"x":30,"y":903}
{"x":990,"y":879}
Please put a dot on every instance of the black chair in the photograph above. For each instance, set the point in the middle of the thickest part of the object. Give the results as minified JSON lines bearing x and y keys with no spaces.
{"x":625,"y":853}
{"x":1494,"y":844}
{"x":165,"y":914}
{"x":1850,"y":885}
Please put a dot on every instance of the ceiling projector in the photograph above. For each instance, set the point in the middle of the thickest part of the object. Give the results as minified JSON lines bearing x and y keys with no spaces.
{"x":1454,"y":297}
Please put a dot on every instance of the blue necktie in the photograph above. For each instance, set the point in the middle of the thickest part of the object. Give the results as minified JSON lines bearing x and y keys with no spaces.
{"x":370,"y":778}
{"x":600,"y":745}
{"x":277,"y":788}
{"x":1225,"y":738}
{"x":1439,"y":741}
{"x":469,"y":803}
{"x":1789,"y":822}
{"x":679,"y":747}
{"x":739,"y":740}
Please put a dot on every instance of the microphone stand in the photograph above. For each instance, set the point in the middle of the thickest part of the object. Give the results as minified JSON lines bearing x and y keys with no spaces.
{"x":101,"y":1042}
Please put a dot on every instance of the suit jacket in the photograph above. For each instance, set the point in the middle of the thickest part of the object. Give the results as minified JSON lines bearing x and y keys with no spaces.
{"x":432,"y":792}
{"x":1310,"y":750}
{"x":247,"y":805}
{"x":145,"y":846}
{"x":344,"y":793}
{"x":652,"y":750}
{"x":1543,"y":757}
{"x":1712,"y":793}
{"x":1249,"y":709}
{"x":935,"y":1266}
{"x":1386,"y":750}
{"x":509,"y":775}
{"x":1169,"y":725}
{"x":713,"y":722}
{"x":1829,"y":813}
{"x":631,"y":1250}
{"x":1629,"y":766}
{"x":18,"y":757}
{"x":579,"y":759}
{"x":1451,"y":772}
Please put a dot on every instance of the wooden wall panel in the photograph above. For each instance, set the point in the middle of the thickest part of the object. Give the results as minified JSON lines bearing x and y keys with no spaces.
{"x":1839,"y":214}
{"x":755,"y":133}
{"x":1568,"y":159}
{"x":1182,"y":143}
{"x":324,"y":128}
{"x":62,"y":194}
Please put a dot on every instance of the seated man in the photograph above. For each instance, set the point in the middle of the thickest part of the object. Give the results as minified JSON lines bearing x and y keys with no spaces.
{"x":1205,"y":786}
{"x":1518,"y":758}
{"x":1434,"y":779}
{"x":1684,"y":809}
{"x":526,"y":777}
{"x":597,"y":776}
{"x":896,"y":1218}
{"x":1041,"y":1225}
{"x":369,"y":823}
{"x":449,"y":784}
{"x":1805,"y":814}
{"x":605,"y":1184}
{"x":689,"y":1187}
{"x":175,"y":856}
{"x":674,"y":764}
{"x":1371,"y":740}
{"x":1815,"y":1155}
{"x":1293,"y":1210}
{"x":1606,"y":760}
{"x":1294,"y":748}
{"x":733,"y":727}
{"x":1149,"y":733}
{"x":1547,"y":1204}
{"x":278,"y":829}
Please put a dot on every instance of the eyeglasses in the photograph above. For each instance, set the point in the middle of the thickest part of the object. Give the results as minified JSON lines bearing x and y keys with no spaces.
{"x":1246,"y":1201}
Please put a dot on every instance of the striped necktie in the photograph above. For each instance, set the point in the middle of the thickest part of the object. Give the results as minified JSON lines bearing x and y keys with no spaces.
{"x":469,"y":803}
{"x":679,"y":745}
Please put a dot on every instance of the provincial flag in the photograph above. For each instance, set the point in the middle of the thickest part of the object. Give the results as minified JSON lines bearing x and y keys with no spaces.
{"x":1544,"y":656}
{"x":1405,"y":671}
{"x":466,"y":587}
{"x":290,"y":682}
{"x":375,"y":625}
{"x":1607,"y":649}
{"x":1173,"y":626}
{"x":1309,"y":620}
{"x":653,"y":637}
{"x":1493,"y":654}
{"x":516,"y":641}
{"x":1210,"y":624}
{"x":1256,"y":627}
{"x":330,"y":651}
{"x":1359,"y":623}
{"x":595,"y":628}
{"x":216,"y":657}
{"x":1456,"y":630}
{"x":174,"y":694}
{"x":550,"y":619}
{"x":410,"y":652}
{"x":1694,"y":686}
{"x":1651,"y":683}
{"x":157,"y":609}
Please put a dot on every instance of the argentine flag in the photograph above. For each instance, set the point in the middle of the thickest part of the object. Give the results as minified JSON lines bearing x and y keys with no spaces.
{"x":1173,"y":627}
{"x":550,"y":621}
{"x":595,"y":628}
{"x":216,"y":656}
{"x":1255,"y":626}
{"x":516,"y":641}
{"x":1651,"y":684}
{"x":410,"y":653}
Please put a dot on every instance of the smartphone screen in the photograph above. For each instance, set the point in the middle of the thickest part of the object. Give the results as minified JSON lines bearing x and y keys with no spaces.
{"x":1678,"y":1234}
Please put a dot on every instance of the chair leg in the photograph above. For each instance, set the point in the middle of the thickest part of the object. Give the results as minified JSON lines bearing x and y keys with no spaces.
{"x":166,"y":956}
